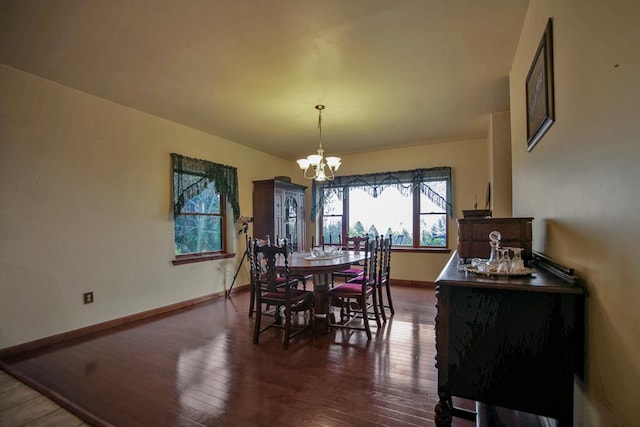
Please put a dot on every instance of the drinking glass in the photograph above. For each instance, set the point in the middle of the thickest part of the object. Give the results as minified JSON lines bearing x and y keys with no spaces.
{"x":504,"y":264}
{"x":517,"y":263}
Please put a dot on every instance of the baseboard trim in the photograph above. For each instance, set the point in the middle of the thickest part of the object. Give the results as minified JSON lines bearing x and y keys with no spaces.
{"x":98,"y":327}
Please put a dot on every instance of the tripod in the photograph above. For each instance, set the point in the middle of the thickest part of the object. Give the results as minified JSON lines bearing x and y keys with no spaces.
{"x":244,"y":256}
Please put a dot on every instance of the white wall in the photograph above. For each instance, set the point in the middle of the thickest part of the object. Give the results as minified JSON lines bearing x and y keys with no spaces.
{"x":580,"y":183}
{"x":86,"y":207}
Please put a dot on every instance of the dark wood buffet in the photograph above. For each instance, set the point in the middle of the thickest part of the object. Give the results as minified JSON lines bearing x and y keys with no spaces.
{"x":511,"y":342}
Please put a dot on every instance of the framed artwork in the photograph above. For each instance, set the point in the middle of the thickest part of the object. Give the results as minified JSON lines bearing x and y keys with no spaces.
{"x":539,"y":90}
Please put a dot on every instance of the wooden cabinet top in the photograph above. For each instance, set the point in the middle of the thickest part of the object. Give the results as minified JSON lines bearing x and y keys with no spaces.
{"x":274,"y":182}
{"x":540,"y":281}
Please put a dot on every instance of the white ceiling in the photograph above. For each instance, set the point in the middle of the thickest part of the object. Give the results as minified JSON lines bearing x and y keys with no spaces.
{"x":390,"y":72}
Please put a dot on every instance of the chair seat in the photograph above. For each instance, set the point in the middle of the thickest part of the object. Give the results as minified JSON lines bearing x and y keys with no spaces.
{"x":295,"y":295}
{"x":349,"y":288}
{"x":359,"y":279}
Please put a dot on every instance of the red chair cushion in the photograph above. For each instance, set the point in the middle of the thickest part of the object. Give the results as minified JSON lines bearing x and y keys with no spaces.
{"x":359,"y":279}
{"x":348,"y":288}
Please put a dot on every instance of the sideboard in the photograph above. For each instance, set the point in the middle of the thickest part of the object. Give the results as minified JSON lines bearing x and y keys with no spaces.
{"x":512,"y":342}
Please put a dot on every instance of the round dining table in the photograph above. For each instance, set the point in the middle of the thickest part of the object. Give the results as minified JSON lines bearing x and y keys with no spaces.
{"x":321,"y":267}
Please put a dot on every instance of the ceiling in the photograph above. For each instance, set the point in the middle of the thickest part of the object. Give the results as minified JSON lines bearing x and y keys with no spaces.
{"x":391,"y":73}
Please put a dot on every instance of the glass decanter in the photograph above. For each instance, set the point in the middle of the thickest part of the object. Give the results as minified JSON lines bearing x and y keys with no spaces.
{"x":494,"y":258}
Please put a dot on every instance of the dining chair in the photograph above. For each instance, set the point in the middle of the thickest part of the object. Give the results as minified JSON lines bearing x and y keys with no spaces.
{"x":281,"y":292}
{"x":302,"y":278}
{"x":384,"y":277}
{"x":357,"y":298}
{"x":354,"y":243}
{"x":258,"y":279}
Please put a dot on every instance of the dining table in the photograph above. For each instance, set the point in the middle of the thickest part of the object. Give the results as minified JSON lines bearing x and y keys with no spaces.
{"x":321,"y":267}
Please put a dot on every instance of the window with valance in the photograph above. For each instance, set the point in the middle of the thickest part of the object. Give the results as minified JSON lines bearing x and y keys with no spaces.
{"x":412,"y":205}
{"x":201,"y":191}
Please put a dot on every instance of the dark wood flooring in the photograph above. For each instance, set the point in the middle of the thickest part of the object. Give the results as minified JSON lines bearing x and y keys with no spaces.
{"x":199,"y":367}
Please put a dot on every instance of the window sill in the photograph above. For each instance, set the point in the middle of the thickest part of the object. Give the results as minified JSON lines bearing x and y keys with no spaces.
{"x":408,"y":249}
{"x":188,"y":259}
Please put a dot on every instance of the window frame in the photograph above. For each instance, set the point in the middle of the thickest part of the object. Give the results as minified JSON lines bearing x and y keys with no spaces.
{"x":416,"y":211}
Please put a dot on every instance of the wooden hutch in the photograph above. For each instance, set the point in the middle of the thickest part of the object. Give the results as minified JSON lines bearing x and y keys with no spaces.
{"x":278,"y":211}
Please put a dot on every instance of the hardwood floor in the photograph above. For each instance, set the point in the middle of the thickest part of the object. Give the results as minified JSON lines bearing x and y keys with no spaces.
{"x":199,"y":367}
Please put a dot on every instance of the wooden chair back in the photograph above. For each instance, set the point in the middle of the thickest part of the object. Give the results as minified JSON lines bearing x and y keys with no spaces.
{"x":356,"y":243}
{"x":268,"y":255}
{"x":369,"y":271}
{"x":384,"y":264}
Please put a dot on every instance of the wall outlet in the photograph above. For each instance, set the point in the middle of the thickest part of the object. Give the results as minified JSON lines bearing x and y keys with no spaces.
{"x":87,"y":297}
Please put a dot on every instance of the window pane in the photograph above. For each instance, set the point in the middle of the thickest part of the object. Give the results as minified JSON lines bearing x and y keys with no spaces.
{"x":332,"y":229}
{"x":332,"y":202}
{"x":389,"y":213}
{"x":433,"y":231}
{"x":426,"y":205}
{"x":206,"y":202}
{"x":198,"y":233}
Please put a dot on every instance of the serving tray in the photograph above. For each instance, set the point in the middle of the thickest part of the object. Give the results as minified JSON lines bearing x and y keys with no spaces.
{"x":525,"y":272}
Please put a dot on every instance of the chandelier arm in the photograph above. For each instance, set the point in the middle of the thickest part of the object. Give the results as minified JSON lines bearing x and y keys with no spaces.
{"x":309,"y":177}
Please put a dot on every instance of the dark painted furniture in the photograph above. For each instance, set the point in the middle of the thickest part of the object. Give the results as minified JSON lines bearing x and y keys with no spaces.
{"x":513,"y":342}
{"x":279,"y":212}
{"x":473,"y":235}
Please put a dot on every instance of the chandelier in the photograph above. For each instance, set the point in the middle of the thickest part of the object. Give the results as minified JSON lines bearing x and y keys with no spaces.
{"x":322,"y":168}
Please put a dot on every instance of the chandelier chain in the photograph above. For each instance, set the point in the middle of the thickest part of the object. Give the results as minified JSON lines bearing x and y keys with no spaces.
{"x":320,"y":108}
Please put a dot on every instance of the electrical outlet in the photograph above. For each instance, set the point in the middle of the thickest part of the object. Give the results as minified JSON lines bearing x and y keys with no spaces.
{"x":87,"y":297}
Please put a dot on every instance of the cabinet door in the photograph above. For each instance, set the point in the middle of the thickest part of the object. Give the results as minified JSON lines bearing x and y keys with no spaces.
{"x":278,"y":213}
{"x":302,"y":229}
{"x":291,"y":221}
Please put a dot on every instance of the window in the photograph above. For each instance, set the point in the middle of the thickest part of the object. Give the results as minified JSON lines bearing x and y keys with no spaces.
{"x":411,"y":206}
{"x":200,"y":225}
{"x":201,"y":191}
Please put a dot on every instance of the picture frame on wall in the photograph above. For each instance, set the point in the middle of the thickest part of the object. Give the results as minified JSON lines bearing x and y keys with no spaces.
{"x":539,"y":90}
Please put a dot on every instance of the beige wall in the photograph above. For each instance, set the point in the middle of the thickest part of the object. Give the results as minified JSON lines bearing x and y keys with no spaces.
{"x":86,"y":207}
{"x":469,"y":163}
{"x":580,"y":183}
{"x":499,"y":141}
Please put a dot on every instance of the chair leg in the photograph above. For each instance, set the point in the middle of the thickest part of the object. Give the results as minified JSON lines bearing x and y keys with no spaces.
{"x":365,"y":317}
{"x":388,"y":286}
{"x":381,"y":302}
{"x":375,"y":308}
{"x":287,"y":327}
{"x":256,"y":331}
{"x":252,"y":299}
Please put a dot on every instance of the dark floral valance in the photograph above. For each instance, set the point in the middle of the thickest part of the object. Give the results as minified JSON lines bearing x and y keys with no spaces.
{"x":192,"y":176}
{"x":374,"y":183}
